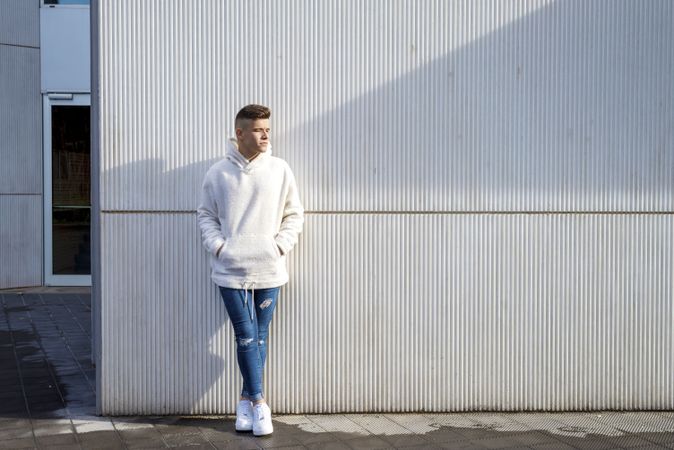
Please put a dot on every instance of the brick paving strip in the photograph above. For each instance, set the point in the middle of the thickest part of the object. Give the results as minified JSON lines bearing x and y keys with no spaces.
{"x":47,"y":400}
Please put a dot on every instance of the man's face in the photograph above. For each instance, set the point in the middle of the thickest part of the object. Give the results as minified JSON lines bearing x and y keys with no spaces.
{"x":253,"y":135}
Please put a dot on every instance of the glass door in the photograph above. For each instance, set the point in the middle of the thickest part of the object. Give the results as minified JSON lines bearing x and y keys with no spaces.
{"x":67,"y":188}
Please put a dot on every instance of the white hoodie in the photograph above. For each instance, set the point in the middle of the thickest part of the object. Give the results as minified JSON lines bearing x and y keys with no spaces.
{"x":254,"y":209}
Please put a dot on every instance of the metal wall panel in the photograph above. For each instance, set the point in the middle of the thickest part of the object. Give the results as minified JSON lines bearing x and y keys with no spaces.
{"x":20,"y":145}
{"x":20,"y":121}
{"x":489,"y":193}
{"x":164,"y":341}
{"x":20,"y":240}
{"x":389,"y":106}
{"x":20,"y":22}
{"x":402,"y":312}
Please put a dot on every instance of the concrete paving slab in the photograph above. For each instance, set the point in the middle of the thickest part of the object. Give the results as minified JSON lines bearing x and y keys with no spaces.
{"x":50,"y":430}
{"x":178,"y":440}
{"x":174,"y":429}
{"x":494,"y":421}
{"x":637,"y":422}
{"x":370,"y":442}
{"x":577,"y":425}
{"x":61,"y":447}
{"x":239,"y":444}
{"x":218,"y":435}
{"x":460,"y":444}
{"x":647,"y":447}
{"x":414,"y":423}
{"x":145,"y":444}
{"x":18,"y":443}
{"x":58,"y":440}
{"x":552,"y":446}
{"x":338,"y":423}
{"x":659,"y":419}
{"x":328,"y":446}
{"x":664,"y":440}
{"x":499,"y":442}
{"x":276,"y":439}
{"x":445,"y":435}
{"x":100,"y":439}
{"x":537,"y":421}
{"x":405,"y":440}
{"x":378,"y":424}
{"x":454,"y":420}
{"x":531,"y":438}
{"x":89,"y":427}
{"x":50,"y":421}
{"x":122,"y":425}
{"x":16,"y":433}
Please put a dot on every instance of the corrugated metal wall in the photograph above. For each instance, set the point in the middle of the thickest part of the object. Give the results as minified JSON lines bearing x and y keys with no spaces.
{"x":19,"y":22}
{"x":20,"y":145}
{"x":20,"y":240}
{"x":489,"y":191}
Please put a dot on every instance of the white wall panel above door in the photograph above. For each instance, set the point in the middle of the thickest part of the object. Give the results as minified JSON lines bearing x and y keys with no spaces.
{"x":64,"y":38}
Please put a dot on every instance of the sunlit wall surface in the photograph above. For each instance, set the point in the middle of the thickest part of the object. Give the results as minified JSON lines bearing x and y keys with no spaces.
{"x":489,"y":190}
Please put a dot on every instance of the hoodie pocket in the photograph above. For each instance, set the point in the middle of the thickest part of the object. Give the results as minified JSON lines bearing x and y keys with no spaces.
{"x":249,"y":254}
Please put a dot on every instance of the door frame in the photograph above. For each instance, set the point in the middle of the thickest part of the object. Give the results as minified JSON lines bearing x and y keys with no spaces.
{"x":49,"y":100}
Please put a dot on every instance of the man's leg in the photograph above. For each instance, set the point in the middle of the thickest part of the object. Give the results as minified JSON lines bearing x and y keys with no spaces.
{"x":265,"y":304}
{"x":246,"y":332}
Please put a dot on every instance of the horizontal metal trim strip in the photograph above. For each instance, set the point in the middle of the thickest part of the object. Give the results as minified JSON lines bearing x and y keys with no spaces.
{"x":640,"y":213}
{"x":65,"y":91}
{"x":147,"y":211}
{"x":19,"y":45}
{"x":13,"y":290}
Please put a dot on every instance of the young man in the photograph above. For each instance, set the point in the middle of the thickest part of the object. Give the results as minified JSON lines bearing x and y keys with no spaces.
{"x":250,"y":217}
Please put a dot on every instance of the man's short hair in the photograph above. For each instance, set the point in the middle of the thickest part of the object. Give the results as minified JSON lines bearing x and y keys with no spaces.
{"x":252,"y":112}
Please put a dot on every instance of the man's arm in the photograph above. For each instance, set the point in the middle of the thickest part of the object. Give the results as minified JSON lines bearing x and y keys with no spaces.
{"x":207,"y":217}
{"x":293,"y":218}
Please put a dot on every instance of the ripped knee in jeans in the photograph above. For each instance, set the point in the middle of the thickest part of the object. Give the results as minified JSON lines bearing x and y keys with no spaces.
{"x":245,"y":342}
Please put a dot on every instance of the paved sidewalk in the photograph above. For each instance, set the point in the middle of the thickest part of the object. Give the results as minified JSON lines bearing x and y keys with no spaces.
{"x":47,"y":400}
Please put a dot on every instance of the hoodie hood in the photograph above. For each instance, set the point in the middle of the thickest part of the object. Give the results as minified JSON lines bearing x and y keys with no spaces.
{"x":235,"y":157}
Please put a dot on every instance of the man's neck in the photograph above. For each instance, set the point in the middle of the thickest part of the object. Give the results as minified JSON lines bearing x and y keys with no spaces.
{"x":249,"y":157}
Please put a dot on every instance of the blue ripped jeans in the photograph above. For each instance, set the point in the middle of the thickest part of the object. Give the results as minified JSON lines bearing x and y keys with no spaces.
{"x":250,"y":311}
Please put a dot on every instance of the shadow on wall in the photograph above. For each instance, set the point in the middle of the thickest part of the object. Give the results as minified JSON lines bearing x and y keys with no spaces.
{"x":494,"y":125}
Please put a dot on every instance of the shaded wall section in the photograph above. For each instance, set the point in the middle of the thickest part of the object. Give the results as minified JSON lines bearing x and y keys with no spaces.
{"x":489,"y":191}
{"x":20,"y":145}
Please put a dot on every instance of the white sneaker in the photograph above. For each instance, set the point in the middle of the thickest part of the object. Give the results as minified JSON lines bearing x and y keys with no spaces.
{"x":262,"y":420}
{"x":244,"y":416}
